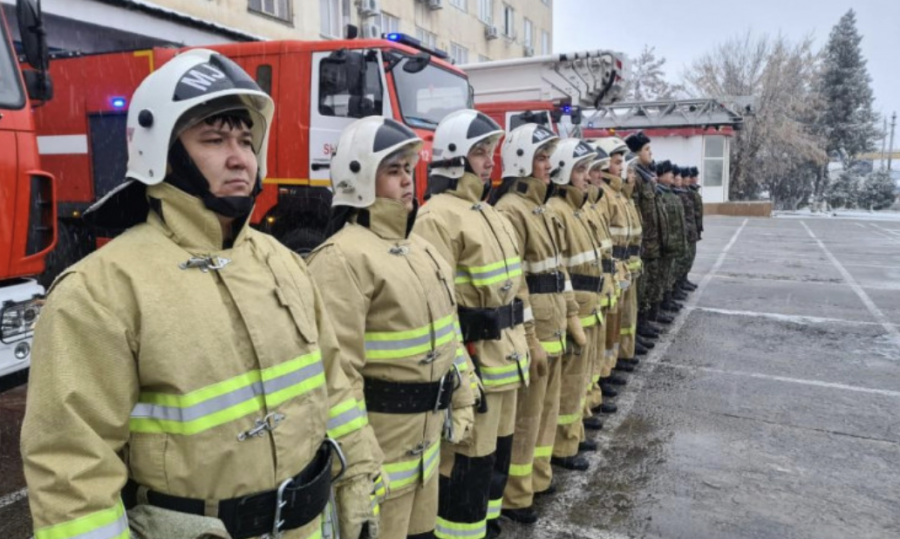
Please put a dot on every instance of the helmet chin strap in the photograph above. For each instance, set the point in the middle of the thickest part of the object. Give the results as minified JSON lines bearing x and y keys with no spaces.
{"x":187,"y":177}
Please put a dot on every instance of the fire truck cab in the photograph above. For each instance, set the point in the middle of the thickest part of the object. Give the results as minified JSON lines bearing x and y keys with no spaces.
{"x":319,"y":88}
{"x":27,"y":231}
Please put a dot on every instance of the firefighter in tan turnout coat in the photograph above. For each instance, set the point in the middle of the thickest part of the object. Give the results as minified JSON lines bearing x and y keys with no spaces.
{"x":187,"y":371}
{"x":391,"y":296}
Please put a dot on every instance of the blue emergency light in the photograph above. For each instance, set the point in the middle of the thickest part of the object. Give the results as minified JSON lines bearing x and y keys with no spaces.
{"x":118,"y":102}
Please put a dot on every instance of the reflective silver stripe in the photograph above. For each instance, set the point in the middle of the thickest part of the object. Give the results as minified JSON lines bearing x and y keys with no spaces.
{"x":618,"y":231}
{"x":541,"y":266}
{"x":409,"y":343}
{"x":637,"y":231}
{"x":113,"y":530}
{"x":582,"y":258}
{"x":143,"y":410}
{"x":528,"y":315}
{"x":342,"y":419}
{"x":606,"y":244}
{"x":568,"y":287}
{"x":499,"y":377}
{"x":478,"y":530}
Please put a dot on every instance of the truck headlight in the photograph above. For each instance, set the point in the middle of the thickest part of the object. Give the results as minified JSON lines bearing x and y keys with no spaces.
{"x":17,"y":320}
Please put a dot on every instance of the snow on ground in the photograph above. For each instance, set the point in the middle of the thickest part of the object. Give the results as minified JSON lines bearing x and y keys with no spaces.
{"x":861,"y":215}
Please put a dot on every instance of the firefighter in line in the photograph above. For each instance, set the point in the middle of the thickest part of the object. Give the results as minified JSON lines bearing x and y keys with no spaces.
{"x":480,"y":244}
{"x":690,"y":222}
{"x":521,"y":197}
{"x":619,"y":228}
{"x":630,"y":348}
{"x":673,"y":238}
{"x":603,"y":378}
{"x":188,"y":372}
{"x":653,"y":227}
{"x":391,"y":295}
{"x":582,"y":259}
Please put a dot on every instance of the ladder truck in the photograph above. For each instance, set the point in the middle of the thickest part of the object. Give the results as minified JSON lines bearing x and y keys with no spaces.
{"x":27,"y":231}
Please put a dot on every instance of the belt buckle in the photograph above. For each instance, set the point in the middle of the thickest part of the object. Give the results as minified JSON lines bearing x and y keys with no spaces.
{"x":279,"y":505}
{"x":560,"y":281}
{"x":437,"y":401}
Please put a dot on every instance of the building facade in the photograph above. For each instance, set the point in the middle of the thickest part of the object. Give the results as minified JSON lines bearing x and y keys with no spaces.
{"x":468,"y":30}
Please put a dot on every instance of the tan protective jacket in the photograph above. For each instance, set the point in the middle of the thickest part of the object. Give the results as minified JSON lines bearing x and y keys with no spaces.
{"x":598,"y":213}
{"x":619,"y":224}
{"x":480,"y":243}
{"x":541,"y":237}
{"x":583,"y":252}
{"x":150,"y":367}
{"x":635,"y":231}
{"x":391,"y":300}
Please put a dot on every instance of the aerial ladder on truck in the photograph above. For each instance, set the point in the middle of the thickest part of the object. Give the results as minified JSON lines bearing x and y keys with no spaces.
{"x":27,"y":210}
{"x":700,"y":113}
{"x":544,"y":89}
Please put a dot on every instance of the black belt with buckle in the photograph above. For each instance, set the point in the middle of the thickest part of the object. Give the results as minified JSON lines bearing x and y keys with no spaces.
{"x":586,"y":283}
{"x":546,"y":283}
{"x":620,"y":252}
{"x":488,"y":324}
{"x":294,"y":504}
{"x":609,"y":266}
{"x":388,"y":397}
{"x":634,"y":250}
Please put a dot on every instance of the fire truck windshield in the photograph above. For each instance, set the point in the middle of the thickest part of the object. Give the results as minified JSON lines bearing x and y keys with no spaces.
{"x":11,"y":94}
{"x":427,"y":96}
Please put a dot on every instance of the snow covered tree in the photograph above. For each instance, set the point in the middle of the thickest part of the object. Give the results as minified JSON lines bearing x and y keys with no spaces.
{"x":648,"y":79}
{"x":877,"y":192}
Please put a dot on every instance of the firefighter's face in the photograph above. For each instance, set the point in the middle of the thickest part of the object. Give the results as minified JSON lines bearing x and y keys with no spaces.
{"x":579,"y":178}
{"x":224,"y":154}
{"x":615,"y":164}
{"x":395,"y":179}
{"x":541,"y":166}
{"x":595,"y":176}
{"x":481,"y":160}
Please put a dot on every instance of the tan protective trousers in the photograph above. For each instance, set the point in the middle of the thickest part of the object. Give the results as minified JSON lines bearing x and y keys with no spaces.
{"x":536,"y":416}
{"x":577,"y":369}
{"x":598,"y":365}
{"x":412,"y":513}
{"x":628,"y":321}
{"x":613,"y":333}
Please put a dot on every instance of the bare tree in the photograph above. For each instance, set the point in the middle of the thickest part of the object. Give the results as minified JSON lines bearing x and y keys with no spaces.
{"x":648,"y":79}
{"x":770,"y":153}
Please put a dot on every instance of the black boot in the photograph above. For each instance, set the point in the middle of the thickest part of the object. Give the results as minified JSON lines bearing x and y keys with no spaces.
{"x":617,"y":380}
{"x":593,"y":423}
{"x":689,"y":285}
{"x":646,"y":343}
{"x":493,"y":529}
{"x":658,"y":316}
{"x":576,"y":463}
{"x":587,"y":446}
{"x":679,"y":295}
{"x":606,"y":408}
{"x":669,"y":305}
{"x":623,"y":365}
{"x":526,"y":515}
{"x":606,"y":389}
{"x":639,"y":349}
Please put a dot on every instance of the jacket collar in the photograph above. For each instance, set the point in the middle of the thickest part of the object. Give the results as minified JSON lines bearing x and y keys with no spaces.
{"x":386,"y":218}
{"x":188,"y":222}
{"x":573,"y":196}
{"x":594,"y":193}
{"x":469,"y":188}
{"x":663,"y":188}
{"x":531,"y":189}
{"x":613,"y":181}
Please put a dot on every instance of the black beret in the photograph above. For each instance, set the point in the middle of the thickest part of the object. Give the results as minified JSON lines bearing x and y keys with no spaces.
{"x":637,"y":141}
{"x":695,"y":172}
{"x":676,"y":170}
{"x":662,"y":168}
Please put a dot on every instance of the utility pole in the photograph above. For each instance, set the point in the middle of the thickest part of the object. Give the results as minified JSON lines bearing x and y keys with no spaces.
{"x":891,"y":147}
{"x":884,"y":145}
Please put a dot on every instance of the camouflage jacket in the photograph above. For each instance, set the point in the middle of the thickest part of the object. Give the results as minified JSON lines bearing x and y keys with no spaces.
{"x":646,"y":202}
{"x":673,"y":233}
{"x":690,"y":214}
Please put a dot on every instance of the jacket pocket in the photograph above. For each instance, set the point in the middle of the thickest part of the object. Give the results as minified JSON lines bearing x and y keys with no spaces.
{"x":148,"y":522}
{"x":295,"y":293}
{"x":146,"y":458}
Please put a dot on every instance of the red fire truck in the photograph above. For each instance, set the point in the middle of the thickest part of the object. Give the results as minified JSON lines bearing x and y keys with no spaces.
{"x":27,"y":218}
{"x":319,"y":87}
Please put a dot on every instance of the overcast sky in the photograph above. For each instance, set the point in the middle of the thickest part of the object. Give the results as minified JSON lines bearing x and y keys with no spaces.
{"x":682,"y":30}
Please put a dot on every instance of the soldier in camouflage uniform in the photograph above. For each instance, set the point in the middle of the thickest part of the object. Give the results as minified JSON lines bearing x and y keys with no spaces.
{"x":650,"y":291}
{"x":694,"y":189}
{"x":672,"y":236}
{"x":685,"y":262}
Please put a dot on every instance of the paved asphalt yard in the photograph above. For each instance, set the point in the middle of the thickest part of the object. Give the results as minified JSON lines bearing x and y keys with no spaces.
{"x":771,"y":409}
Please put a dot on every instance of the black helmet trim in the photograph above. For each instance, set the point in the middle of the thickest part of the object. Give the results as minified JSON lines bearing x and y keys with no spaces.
{"x":482,"y":125}
{"x":217,"y":75}
{"x":390,"y":134}
{"x":582,"y":150}
{"x":541,"y":134}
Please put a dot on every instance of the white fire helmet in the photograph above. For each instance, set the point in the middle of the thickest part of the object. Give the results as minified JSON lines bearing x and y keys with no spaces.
{"x":455,"y":136}
{"x":187,"y":89}
{"x":520,"y":147}
{"x":570,"y":153}
{"x":612,"y":145}
{"x":363,"y":145}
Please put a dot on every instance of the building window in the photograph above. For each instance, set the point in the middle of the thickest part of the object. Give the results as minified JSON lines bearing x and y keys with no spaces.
{"x":713,"y":161}
{"x":388,"y":23}
{"x":461,"y":4}
{"x":280,"y":9}
{"x":545,"y":42}
{"x":486,"y":11}
{"x":428,"y":39}
{"x":529,"y":34}
{"x":482,"y":58}
{"x":264,"y":78}
{"x":335,"y":16}
{"x":509,"y":21}
{"x":459,"y":54}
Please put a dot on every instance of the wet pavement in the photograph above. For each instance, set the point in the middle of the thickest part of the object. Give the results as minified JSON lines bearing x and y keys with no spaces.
{"x":770,"y":409}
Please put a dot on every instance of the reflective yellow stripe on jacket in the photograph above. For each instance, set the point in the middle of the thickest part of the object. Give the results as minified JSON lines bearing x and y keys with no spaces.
{"x":384,"y":345}
{"x":230,"y":400}
{"x":107,"y":524}
{"x":489,"y":274}
{"x":408,"y":472}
